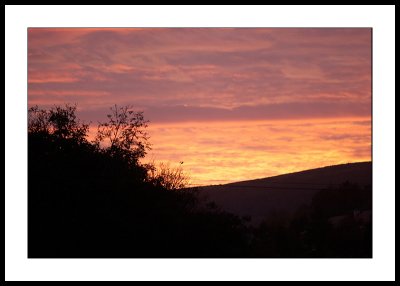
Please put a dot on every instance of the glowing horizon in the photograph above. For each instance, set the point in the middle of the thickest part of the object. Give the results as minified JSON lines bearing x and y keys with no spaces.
{"x":233,"y":104}
{"x":252,"y":156}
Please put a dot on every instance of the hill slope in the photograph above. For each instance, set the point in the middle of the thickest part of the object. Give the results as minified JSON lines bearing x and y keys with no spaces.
{"x":284,"y":193}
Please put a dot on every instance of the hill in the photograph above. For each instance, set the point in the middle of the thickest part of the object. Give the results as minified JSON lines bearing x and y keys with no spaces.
{"x":262,"y":198}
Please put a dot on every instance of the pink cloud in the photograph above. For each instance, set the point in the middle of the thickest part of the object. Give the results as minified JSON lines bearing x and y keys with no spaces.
{"x":53,"y":78}
{"x":219,"y":67}
{"x":201,"y":75}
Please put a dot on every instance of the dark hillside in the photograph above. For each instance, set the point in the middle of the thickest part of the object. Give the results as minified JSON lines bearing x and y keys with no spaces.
{"x":285,"y":193}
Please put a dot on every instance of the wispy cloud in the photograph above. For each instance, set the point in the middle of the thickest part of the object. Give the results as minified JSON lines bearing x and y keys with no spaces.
{"x":241,"y":150}
{"x":215,"y":75}
{"x":224,"y":67}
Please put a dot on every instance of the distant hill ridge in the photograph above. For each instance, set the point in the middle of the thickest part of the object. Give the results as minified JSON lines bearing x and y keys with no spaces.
{"x":359,"y":173}
{"x":259,"y":197}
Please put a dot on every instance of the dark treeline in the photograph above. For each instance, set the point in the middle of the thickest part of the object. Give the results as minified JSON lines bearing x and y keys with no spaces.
{"x":337,"y":224}
{"x":96,"y":200}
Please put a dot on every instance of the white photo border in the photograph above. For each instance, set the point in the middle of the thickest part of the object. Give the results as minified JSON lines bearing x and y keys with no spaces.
{"x":380,"y":267}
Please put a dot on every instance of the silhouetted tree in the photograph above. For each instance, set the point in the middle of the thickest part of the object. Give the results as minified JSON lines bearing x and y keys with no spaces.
{"x":97,"y":200}
{"x":38,"y":121}
{"x":60,"y":122}
{"x":124,"y":133}
{"x":167,"y":176}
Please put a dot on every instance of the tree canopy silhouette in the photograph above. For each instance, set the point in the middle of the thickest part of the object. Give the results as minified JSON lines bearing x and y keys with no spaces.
{"x":95,"y":199}
{"x":124,"y":133}
{"x":60,"y":122}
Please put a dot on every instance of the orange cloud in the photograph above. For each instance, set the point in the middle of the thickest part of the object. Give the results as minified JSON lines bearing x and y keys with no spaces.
{"x":219,"y":152}
{"x":53,"y":79}
{"x":232,"y":104}
{"x":90,"y":93}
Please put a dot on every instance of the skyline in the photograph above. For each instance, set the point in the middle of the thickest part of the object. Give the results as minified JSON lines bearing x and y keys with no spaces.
{"x":232,"y":104}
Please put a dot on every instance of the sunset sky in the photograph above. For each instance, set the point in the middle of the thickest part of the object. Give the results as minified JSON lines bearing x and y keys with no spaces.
{"x":232,"y":104}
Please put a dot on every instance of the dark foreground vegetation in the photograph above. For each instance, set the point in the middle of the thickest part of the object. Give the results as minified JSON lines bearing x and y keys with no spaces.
{"x":96,"y":200}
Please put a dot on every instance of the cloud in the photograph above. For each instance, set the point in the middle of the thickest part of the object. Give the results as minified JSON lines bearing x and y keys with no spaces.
{"x":223,"y":68}
{"x":344,"y":136}
{"x":281,"y":111}
{"x":241,"y":150}
{"x":234,"y":101}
